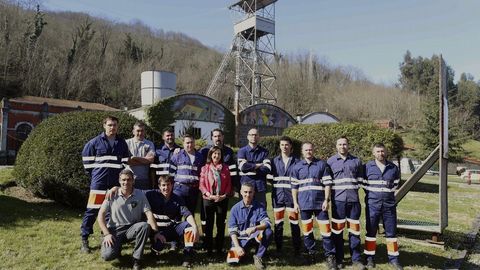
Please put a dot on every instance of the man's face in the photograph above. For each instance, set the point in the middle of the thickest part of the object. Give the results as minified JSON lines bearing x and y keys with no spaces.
{"x":342,"y":146}
{"x":126,"y":182}
{"x":217,"y":138}
{"x":379,"y":153}
{"x":253,"y":136}
{"x":139,"y":133}
{"x":285,"y":147}
{"x":166,"y":188}
{"x":307,"y":151}
{"x":189,"y":144}
{"x":168,"y":137}
{"x":247,"y":194}
{"x":111,"y":128}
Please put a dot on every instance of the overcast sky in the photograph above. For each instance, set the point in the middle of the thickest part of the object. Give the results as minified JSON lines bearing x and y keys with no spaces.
{"x":372,"y":35}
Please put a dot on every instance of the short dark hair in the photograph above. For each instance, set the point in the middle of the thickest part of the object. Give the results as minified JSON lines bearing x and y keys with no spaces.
{"x":343,"y":137}
{"x":211,"y":151}
{"x":286,"y":139}
{"x":307,"y":142}
{"x":167,"y":129}
{"x":126,"y":172}
{"x":110,"y":118}
{"x":139,"y":124}
{"x":379,"y":145}
{"x":188,"y":136}
{"x":247,"y":184}
{"x":215,"y":129}
{"x":165,"y":178}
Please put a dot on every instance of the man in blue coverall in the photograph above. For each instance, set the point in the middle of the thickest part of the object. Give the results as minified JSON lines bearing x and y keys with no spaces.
{"x":164,"y":153}
{"x":347,"y":177}
{"x":186,"y":166}
{"x":254,"y":165}
{"x":311,"y":183}
{"x":168,"y":210}
{"x":282,"y":167}
{"x":381,"y":180}
{"x":103,"y":158}
{"x":248,"y":226}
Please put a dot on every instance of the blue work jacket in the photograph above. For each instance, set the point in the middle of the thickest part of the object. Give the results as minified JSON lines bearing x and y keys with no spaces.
{"x":311,"y":179}
{"x":281,"y":178}
{"x":381,"y":187}
{"x":163,"y":154}
{"x":347,"y":177}
{"x":247,"y":158}
{"x":103,"y":162}
{"x":166,"y":212}
{"x":243,"y":217}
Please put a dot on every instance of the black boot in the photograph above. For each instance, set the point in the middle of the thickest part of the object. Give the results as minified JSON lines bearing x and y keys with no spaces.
{"x":84,"y":248}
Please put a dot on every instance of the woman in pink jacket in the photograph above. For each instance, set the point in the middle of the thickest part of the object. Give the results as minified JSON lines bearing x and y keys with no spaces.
{"x":216,"y":187}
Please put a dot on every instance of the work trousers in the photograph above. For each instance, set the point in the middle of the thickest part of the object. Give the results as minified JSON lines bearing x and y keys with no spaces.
{"x":138,"y":231}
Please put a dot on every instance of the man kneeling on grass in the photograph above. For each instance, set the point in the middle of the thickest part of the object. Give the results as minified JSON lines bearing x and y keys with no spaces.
{"x":248,"y":226}
{"x":126,"y":208}
{"x":168,"y":210}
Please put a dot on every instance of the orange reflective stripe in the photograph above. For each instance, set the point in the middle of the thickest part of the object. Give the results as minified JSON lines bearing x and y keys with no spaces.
{"x":338,"y":226}
{"x":188,"y":237}
{"x":232,"y":257}
{"x":370,"y":245}
{"x":354,"y":226}
{"x":96,"y":198}
{"x":293,"y":216}
{"x":392,"y":245}
{"x":307,"y":226}
{"x":279,"y":215}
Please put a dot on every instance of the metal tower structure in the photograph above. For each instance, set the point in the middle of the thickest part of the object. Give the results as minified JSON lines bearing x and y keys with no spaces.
{"x":251,"y":55}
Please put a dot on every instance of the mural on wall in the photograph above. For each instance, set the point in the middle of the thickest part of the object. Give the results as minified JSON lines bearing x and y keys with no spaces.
{"x":197,"y":108}
{"x":266,"y":115}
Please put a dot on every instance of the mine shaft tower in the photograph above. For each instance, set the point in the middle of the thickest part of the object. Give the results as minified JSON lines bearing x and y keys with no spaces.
{"x":251,"y":55}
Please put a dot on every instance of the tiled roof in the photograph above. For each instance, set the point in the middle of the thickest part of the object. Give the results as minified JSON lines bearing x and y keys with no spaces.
{"x":63,"y":103}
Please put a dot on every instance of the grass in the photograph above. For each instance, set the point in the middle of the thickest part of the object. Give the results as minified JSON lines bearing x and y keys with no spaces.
{"x":45,"y":235}
{"x":5,"y":176}
{"x":473,"y":148}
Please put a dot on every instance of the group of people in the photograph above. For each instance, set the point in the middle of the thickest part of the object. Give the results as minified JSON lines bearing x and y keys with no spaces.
{"x":129,"y":205}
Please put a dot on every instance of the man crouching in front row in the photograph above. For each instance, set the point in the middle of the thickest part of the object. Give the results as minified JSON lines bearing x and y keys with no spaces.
{"x":126,"y":208}
{"x":248,"y":226}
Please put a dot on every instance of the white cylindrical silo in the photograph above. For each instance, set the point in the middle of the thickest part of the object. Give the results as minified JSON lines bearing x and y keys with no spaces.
{"x":157,"y":85}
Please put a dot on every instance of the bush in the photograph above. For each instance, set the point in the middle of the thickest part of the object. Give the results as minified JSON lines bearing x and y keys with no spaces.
{"x":272,"y":144}
{"x":361,"y":138}
{"x":49,"y":162}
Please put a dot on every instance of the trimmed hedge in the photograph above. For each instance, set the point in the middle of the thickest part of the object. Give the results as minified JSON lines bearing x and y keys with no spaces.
{"x":361,"y":138}
{"x":49,"y":162}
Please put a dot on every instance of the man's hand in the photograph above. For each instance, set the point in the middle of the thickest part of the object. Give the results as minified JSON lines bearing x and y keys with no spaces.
{"x":239,"y":250}
{"x":176,"y":151}
{"x":111,"y":193}
{"x":196,"y":235}
{"x":250,"y":230}
{"x":325,"y":205}
{"x":159,"y":237}
{"x":296,"y":208}
{"x":108,"y":240}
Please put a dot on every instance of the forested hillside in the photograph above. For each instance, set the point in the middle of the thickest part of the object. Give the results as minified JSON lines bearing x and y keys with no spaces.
{"x":75,"y":56}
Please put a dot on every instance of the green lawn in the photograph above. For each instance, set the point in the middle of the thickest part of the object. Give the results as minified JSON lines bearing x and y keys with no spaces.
{"x":45,"y":235}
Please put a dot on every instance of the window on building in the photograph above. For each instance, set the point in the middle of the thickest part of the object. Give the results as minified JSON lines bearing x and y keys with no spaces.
{"x":22,"y":131}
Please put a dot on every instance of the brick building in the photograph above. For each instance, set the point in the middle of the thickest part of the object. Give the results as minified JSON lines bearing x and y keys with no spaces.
{"x":20,"y":115}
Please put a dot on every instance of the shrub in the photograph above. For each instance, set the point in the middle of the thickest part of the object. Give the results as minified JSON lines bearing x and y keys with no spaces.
{"x":49,"y":162}
{"x":272,"y":144}
{"x":361,"y":138}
